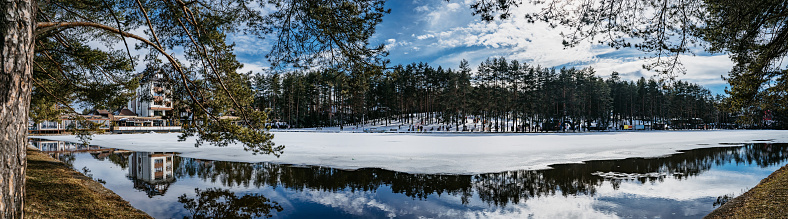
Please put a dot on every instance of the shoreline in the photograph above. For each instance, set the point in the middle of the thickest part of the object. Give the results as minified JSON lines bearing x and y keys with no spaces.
{"x":768,"y":199}
{"x":55,"y":190}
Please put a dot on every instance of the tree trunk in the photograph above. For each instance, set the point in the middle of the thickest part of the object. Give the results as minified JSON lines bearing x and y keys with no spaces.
{"x":16,"y":27}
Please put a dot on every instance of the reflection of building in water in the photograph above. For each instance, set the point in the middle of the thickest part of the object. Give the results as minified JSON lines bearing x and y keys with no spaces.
{"x":49,"y":145}
{"x":152,"y":172}
{"x":46,"y":145}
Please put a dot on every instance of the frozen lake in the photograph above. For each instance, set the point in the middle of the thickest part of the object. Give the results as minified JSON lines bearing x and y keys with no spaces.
{"x":446,"y":153}
{"x":679,"y":185}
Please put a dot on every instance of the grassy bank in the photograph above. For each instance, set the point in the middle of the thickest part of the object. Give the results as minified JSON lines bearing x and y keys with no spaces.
{"x":54,"y":190}
{"x":769,"y":199}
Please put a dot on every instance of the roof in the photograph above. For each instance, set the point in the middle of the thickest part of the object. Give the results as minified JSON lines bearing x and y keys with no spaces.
{"x":126,"y":112}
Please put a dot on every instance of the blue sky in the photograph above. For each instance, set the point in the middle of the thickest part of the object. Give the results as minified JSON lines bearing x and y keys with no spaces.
{"x":443,"y":33}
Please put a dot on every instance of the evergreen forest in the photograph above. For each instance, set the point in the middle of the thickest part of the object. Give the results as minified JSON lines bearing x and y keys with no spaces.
{"x":501,"y":95}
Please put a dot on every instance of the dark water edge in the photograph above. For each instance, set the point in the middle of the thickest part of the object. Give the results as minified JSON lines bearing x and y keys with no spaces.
{"x":682,"y":185}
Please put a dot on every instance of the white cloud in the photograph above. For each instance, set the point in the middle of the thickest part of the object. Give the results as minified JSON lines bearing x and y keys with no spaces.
{"x":514,"y":38}
{"x":423,"y":8}
{"x":703,"y":70}
{"x":425,"y":36}
{"x":447,"y":33}
{"x":253,"y":67}
{"x":453,"y":6}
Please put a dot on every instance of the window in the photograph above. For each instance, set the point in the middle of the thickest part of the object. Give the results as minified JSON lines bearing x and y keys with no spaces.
{"x":159,"y":161}
{"x":159,"y":169}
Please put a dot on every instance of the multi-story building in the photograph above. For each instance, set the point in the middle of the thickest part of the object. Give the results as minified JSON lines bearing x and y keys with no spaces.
{"x":149,"y":111}
{"x":152,"y":98}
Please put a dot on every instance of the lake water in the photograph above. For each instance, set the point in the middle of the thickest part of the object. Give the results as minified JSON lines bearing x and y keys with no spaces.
{"x":689,"y":184}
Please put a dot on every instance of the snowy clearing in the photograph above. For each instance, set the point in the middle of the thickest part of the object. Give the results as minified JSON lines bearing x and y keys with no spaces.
{"x":446,"y":153}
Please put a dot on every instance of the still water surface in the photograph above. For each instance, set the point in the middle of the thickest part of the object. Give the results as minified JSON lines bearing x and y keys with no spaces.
{"x":683,"y":185}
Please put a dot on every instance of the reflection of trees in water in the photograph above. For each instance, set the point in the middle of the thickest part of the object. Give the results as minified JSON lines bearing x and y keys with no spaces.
{"x":66,"y":158}
{"x":119,"y":159}
{"x":151,"y":189}
{"x":494,"y":188}
{"x":222,"y":203}
{"x":574,"y":179}
{"x":516,"y":186}
{"x":320,"y":178}
{"x":226,"y":173}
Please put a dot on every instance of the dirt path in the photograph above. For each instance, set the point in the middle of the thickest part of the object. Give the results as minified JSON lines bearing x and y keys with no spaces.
{"x":54,"y":190}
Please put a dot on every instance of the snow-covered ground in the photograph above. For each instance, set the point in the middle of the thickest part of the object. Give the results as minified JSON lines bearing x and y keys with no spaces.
{"x":422,"y":124}
{"x":447,"y":153}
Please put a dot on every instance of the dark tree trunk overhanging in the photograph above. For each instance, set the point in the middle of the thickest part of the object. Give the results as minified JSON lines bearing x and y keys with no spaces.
{"x":16,"y":26}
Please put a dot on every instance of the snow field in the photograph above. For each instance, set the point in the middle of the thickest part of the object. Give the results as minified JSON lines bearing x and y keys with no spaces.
{"x":445,"y":153}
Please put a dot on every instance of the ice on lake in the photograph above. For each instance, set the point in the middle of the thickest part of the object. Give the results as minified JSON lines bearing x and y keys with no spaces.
{"x":445,"y":153}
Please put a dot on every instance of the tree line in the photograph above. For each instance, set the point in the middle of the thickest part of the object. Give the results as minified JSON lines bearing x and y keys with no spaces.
{"x":501,"y":95}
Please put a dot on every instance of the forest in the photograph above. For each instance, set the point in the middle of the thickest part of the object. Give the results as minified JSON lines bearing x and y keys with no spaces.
{"x":505,"y":96}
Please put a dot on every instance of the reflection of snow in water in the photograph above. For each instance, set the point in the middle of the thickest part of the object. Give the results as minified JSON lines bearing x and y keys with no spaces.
{"x":624,"y":176}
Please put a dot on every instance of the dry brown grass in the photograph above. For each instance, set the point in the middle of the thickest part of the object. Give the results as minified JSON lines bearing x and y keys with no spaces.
{"x":54,"y":190}
{"x":769,"y":199}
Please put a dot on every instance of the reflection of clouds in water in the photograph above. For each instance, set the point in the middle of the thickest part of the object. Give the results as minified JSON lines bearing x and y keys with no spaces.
{"x":673,"y":196}
{"x":367,"y":203}
{"x":356,"y":203}
{"x":689,"y":197}
{"x":710,"y":184}
{"x":549,"y":207}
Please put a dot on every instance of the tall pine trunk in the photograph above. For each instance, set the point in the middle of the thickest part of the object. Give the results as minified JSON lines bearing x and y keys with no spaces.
{"x":16,"y":27}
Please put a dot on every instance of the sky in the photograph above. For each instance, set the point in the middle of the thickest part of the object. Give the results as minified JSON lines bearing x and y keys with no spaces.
{"x":443,"y":33}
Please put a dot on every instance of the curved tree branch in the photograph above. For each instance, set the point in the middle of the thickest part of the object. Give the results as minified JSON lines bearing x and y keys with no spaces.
{"x":43,"y":27}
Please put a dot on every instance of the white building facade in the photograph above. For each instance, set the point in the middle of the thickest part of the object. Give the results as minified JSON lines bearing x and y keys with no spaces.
{"x":152,"y":99}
